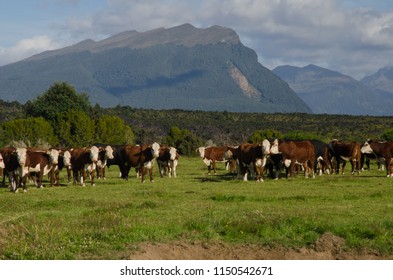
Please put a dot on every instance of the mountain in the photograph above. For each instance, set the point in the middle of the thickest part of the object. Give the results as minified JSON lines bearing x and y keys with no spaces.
{"x":181,"y":67}
{"x":330,"y":92}
{"x":381,"y":82}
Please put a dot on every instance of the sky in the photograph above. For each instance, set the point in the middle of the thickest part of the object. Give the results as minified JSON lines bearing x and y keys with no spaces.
{"x":354,"y":37}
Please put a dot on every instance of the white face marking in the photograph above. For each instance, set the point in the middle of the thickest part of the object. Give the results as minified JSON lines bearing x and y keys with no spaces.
{"x":366,"y":148}
{"x":109,"y":152}
{"x":67,"y":158}
{"x":54,"y":156}
{"x":274,"y":147}
{"x":156,"y":149}
{"x":201,"y":151}
{"x":1,"y":162}
{"x":94,"y":154}
{"x":21,"y":155}
{"x":172,"y":152}
{"x":266,"y":147}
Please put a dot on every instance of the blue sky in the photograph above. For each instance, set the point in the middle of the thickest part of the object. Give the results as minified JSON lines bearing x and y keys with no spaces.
{"x":352,"y":37}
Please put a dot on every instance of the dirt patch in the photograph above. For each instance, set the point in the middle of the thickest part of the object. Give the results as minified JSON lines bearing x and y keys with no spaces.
{"x":327,"y":247}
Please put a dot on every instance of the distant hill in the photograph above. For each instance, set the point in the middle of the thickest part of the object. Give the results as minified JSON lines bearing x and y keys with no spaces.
{"x":330,"y":92}
{"x":181,"y":67}
{"x":381,"y":82}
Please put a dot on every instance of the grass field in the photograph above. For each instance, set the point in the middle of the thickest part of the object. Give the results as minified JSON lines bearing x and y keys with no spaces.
{"x":72,"y":222}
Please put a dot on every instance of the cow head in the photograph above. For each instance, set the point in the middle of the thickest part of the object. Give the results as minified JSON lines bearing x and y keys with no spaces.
{"x":53,"y":156}
{"x":21,"y":154}
{"x":172,"y":152}
{"x":201,"y":151}
{"x":265,"y":147}
{"x":366,"y":148}
{"x":1,"y":162}
{"x":155,"y":147}
{"x":94,"y":151}
{"x":67,"y":159}
{"x":109,"y":152}
{"x":274,"y":147}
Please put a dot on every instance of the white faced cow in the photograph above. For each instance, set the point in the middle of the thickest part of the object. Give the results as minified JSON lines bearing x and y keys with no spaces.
{"x":38,"y":161}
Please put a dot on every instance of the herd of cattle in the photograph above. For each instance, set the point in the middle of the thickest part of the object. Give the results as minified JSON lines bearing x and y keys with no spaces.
{"x":19,"y":164}
{"x":311,"y":156}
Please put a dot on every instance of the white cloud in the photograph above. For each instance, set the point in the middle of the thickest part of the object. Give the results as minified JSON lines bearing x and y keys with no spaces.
{"x":25,"y":48}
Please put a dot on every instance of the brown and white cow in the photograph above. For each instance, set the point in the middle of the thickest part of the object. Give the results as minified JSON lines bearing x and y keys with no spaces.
{"x":167,"y":161}
{"x":11,"y":166}
{"x":382,"y":151}
{"x":141,"y":157}
{"x":105,"y":154}
{"x":212,"y":155}
{"x":343,"y":152}
{"x":64,"y":163}
{"x":295,"y":152}
{"x":251,"y":158}
{"x":38,"y":161}
{"x":83,"y":162}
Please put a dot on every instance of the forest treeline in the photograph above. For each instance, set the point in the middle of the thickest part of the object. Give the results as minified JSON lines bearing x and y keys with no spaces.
{"x":63,"y":117}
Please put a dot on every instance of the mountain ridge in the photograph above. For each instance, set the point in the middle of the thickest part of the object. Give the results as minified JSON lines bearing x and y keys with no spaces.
{"x":182,"y":67}
{"x":330,"y":92}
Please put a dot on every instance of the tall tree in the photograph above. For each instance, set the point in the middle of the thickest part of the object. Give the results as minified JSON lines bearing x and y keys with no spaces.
{"x":112,"y":130}
{"x":58,"y":99}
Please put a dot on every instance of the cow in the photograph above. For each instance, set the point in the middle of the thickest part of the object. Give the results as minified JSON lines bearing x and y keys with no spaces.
{"x":140,"y":157}
{"x":167,"y":161}
{"x":345,"y":151}
{"x":41,"y":162}
{"x":251,"y":158}
{"x":212,"y":155}
{"x":10,"y":167}
{"x":64,"y":162}
{"x":321,"y":156}
{"x":105,"y":154}
{"x":381,"y":150}
{"x":83,"y":162}
{"x":295,"y":152}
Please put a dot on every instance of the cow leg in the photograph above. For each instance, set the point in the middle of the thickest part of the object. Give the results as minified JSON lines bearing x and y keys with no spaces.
{"x":214,"y":167}
{"x":93,"y":173}
{"x":388,"y":166}
{"x":83,"y":178}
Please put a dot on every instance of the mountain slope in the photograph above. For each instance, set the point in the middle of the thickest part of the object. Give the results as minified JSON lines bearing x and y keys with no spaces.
{"x":181,"y":67}
{"x":381,"y":82}
{"x":330,"y":92}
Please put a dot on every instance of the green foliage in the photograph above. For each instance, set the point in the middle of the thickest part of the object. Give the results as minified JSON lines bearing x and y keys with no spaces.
{"x":75,"y":129}
{"x":260,"y":135}
{"x":58,"y":99}
{"x":184,"y":140}
{"x":302,"y":135}
{"x":30,"y":130}
{"x":387,"y":135}
{"x":111,"y":129}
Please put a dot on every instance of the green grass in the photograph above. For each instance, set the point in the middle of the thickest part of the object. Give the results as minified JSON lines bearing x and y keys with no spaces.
{"x":102,"y":222}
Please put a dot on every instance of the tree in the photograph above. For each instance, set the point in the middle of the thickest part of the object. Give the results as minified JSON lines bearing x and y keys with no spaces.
{"x":184,"y":140}
{"x":388,"y":135}
{"x":75,"y":129}
{"x":111,"y":129}
{"x":35,"y":131}
{"x":58,"y":99}
{"x":260,"y":135}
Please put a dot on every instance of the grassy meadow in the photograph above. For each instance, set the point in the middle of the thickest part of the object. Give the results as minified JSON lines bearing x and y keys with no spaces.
{"x":105,"y":221}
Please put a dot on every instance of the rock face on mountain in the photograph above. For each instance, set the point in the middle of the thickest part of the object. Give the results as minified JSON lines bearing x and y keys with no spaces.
{"x":181,"y":67}
{"x":330,"y":92}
